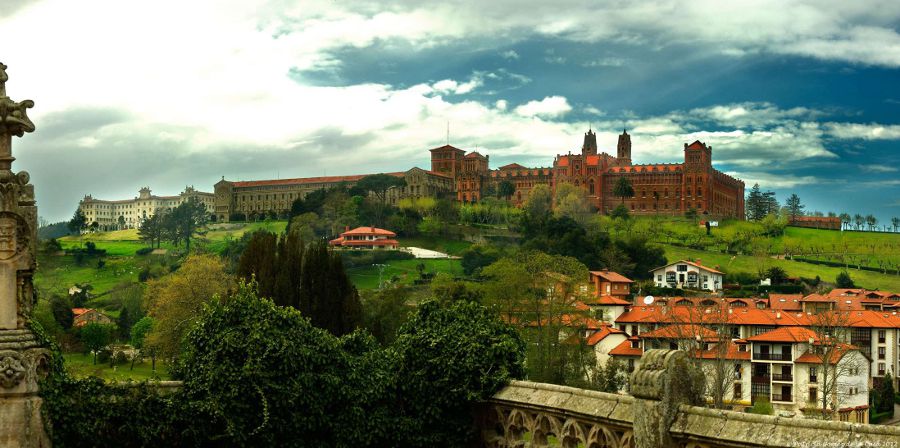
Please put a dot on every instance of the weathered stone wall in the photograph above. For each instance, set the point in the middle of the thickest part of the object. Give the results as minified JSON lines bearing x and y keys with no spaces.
{"x":526,"y":414}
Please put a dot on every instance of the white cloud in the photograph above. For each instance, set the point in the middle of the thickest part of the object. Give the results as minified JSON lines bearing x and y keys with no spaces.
{"x":509,"y":54}
{"x":771,"y":180}
{"x":872,"y":131}
{"x":549,"y":107}
{"x":878,"y":168}
{"x":501,"y":104}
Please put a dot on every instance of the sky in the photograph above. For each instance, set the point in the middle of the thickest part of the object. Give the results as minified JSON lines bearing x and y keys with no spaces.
{"x":799,"y":96}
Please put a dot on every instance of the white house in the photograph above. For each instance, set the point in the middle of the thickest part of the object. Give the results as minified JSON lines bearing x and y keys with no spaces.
{"x":688,"y":275}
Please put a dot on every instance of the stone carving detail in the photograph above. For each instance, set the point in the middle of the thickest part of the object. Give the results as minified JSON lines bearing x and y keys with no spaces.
{"x":508,"y":427}
{"x":12,"y":371}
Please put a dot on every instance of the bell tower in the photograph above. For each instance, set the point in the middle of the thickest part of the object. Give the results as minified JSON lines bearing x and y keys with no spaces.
{"x":623,"y":149}
{"x":589,"y":148}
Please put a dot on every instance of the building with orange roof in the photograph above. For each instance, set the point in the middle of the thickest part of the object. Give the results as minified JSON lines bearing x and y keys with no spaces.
{"x":366,"y":238}
{"x":257,"y":199}
{"x":84,"y":316}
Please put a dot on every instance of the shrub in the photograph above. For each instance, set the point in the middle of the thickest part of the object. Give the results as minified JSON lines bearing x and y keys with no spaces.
{"x":143,"y":251}
{"x":762,"y":406}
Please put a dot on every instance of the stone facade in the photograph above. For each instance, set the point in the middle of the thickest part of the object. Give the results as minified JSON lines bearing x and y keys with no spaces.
{"x":134,"y":211}
{"x":261,"y":198}
{"x":22,"y":359}
{"x":660,"y":414}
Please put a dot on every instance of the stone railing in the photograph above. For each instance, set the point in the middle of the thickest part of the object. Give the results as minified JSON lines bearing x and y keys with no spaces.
{"x":528,"y":414}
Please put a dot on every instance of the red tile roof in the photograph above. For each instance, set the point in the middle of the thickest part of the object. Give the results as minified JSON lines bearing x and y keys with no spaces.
{"x":696,"y":145}
{"x":817,"y":298}
{"x":612,"y":276}
{"x":816,"y":358}
{"x":369,"y":231}
{"x":598,"y":336}
{"x":625,"y":349}
{"x":785,"y":334}
{"x":79,"y":311}
{"x":445,"y":147}
{"x":733,"y":352}
{"x":513,"y":166}
{"x":474,"y":155}
{"x":608,"y":300}
{"x":307,"y":180}
{"x":682,"y":331}
{"x":785,"y":301}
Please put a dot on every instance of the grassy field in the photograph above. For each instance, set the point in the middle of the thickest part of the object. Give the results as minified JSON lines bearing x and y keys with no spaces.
{"x":366,"y":277}
{"x":81,"y":365}
{"x":751,"y":264}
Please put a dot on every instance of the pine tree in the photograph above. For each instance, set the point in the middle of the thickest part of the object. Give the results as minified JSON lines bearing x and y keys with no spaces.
{"x":795,"y":208}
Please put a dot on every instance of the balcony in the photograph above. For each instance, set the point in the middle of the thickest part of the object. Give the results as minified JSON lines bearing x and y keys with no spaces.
{"x":772,"y":356}
{"x":783,"y":398}
{"x":760,"y":379}
{"x":783,"y":377}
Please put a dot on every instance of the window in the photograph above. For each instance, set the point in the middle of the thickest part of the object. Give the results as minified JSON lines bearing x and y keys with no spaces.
{"x":813,"y":375}
{"x":880,"y":352}
{"x":737,"y":374}
{"x":738,"y":393}
{"x":681,"y":268}
{"x":880,"y":369}
{"x":659,"y":277}
{"x":881,"y":335}
{"x":813,"y":394}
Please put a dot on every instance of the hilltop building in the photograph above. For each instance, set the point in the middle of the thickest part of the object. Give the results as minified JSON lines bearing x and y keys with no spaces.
{"x":241,"y":200}
{"x":666,"y":189}
{"x":688,"y":274}
{"x":129,"y":213}
{"x":370,"y":238}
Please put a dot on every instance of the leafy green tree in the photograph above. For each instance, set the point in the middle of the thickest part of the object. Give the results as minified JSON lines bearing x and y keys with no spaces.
{"x":620,"y":212}
{"x":858,"y":220}
{"x":506,"y":189}
{"x":139,"y":332}
{"x":571,"y":201}
{"x":378,"y":185}
{"x":477,"y":256}
{"x":884,"y":395}
{"x":895,"y":223}
{"x":843,"y":280}
{"x":385,"y":311}
{"x":455,"y":356}
{"x":691,"y":214}
{"x":259,"y":262}
{"x":327,"y":296}
{"x":623,"y":188}
{"x":153,"y":229}
{"x":795,"y":208}
{"x":777,"y":275}
{"x":871,"y":221}
{"x":539,"y":202}
{"x":185,"y":220}
{"x":61,"y":308}
{"x":96,"y":336}
{"x":78,"y":223}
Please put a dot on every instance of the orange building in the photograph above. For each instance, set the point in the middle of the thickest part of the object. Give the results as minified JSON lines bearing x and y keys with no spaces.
{"x":366,"y":238}
{"x":665,"y":189}
{"x":607,"y":283}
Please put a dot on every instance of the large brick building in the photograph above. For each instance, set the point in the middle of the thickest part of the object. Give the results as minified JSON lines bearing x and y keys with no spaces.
{"x":260,"y":198}
{"x":666,"y":189}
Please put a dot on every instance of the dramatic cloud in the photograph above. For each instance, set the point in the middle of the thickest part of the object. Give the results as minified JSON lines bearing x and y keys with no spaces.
{"x":550,"y":107}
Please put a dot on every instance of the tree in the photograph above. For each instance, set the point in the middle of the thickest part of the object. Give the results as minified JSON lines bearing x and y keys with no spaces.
{"x":837,"y":361}
{"x":506,"y":189}
{"x":795,"y":208}
{"x":78,"y":223}
{"x":539,"y":203}
{"x":620,"y":212}
{"x":843,"y":280}
{"x":61,"y":308}
{"x":139,"y":332}
{"x":379,"y":184}
{"x":884,"y":395}
{"x":623,"y":189}
{"x":871,"y":221}
{"x":185,"y":220}
{"x":175,"y":301}
{"x":895,"y":223}
{"x":95,"y":336}
{"x":153,"y":229}
{"x":858,"y":220}
{"x":845,"y":220}
{"x":777,"y":275}
{"x":756,"y":205}
{"x":572,"y":202}
{"x":327,"y":296}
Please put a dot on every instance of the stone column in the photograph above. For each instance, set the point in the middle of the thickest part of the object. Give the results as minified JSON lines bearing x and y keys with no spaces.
{"x":665,"y":380}
{"x":22,"y":360}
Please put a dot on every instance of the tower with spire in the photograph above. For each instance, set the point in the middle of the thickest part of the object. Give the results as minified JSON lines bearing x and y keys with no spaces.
{"x":623,"y":148}
{"x":589,"y":148}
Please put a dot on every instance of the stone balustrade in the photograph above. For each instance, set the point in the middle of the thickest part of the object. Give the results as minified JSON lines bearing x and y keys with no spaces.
{"x":526,"y":414}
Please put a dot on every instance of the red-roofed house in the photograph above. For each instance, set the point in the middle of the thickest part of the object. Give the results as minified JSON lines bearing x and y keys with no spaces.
{"x":84,"y":316}
{"x":371,"y":238}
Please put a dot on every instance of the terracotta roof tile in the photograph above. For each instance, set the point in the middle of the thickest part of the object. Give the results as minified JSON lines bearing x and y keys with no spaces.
{"x":612,"y":276}
{"x":785,"y":334}
{"x":625,"y":349}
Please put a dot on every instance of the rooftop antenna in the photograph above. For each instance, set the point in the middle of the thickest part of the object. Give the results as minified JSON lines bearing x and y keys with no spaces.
{"x":448,"y":132}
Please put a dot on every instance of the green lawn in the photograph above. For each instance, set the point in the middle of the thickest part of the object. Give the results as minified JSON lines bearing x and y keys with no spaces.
{"x":366,"y":277}
{"x":751,"y":264}
{"x":81,"y":365}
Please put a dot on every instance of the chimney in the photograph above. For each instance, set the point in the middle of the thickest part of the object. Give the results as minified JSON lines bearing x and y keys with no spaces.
{"x":346,"y":228}
{"x":778,"y":315}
